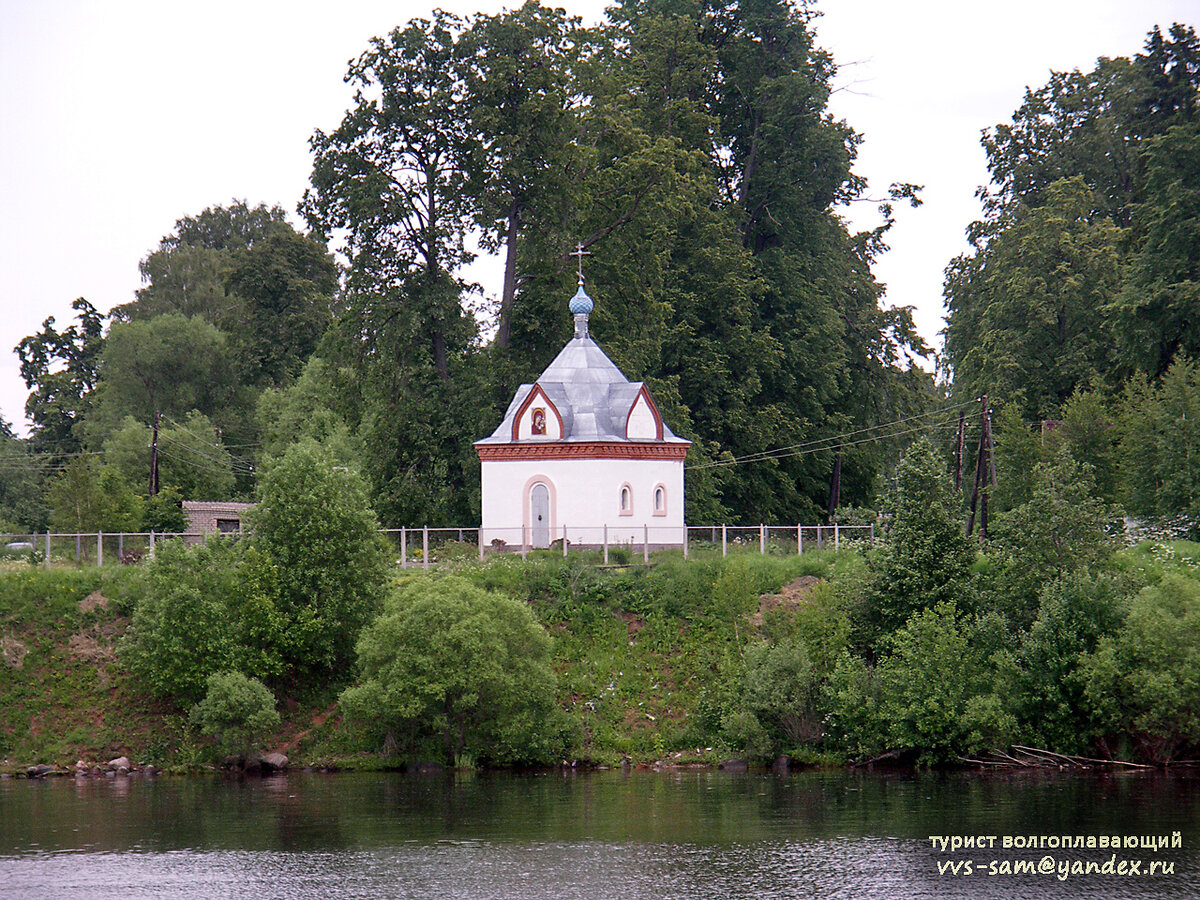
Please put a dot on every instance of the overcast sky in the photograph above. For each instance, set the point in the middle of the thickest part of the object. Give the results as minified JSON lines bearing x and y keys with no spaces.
{"x":117,"y":118}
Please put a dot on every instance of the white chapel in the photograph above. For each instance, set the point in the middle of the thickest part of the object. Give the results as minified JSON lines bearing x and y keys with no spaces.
{"x":582,"y":456}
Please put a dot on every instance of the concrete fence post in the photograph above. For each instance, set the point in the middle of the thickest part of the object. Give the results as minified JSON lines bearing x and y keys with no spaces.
{"x":47,"y":549}
{"x":835,"y":535}
{"x":152,"y":544}
{"x":564,"y":542}
{"x":479,"y":534}
{"x":685,"y":542}
{"x":524,"y":540}
{"x":100,"y":549}
{"x":762,"y":538}
{"x":403,"y":547}
{"x":645,"y":543}
{"x":606,"y":544}
{"x":425,"y":547}
{"x":724,"y":540}
{"x":799,"y":540}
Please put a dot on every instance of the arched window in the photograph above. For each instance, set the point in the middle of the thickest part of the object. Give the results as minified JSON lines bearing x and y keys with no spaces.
{"x":660,"y":501}
{"x":626,"y":500}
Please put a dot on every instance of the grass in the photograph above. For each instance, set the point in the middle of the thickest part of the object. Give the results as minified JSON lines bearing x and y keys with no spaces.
{"x":635,"y":650}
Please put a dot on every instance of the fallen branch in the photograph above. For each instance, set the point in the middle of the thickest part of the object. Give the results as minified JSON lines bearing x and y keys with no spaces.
{"x":891,"y":754}
{"x":1113,"y":762}
{"x":1048,"y":753}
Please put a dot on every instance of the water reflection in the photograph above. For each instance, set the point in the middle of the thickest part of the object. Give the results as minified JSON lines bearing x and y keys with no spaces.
{"x":636,"y":835}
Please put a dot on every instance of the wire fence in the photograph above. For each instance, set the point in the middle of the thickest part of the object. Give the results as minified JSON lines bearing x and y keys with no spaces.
{"x":93,"y":548}
{"x":424,"y":546}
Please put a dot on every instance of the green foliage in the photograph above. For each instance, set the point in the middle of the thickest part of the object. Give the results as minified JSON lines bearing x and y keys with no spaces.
{"x":164,"y":512}
{"x":1026,"y":317}
{"x":286,"y":282}
{"x":314,"y":524}
{"x":1145,"y":681}
{"x":1061,"y":529}
{"x":1157,"y":306}
{"x":1075,"y":614}
{"x":22,"y":506}
{"x":88,"y":496}
{"x":1159,"y":437}
{"x":781,"y":699}
{"x":183,"y":629}
{"x":1090,"y":432}
{"x":189,"y":271}
{"x":933,"y":697}
{"x":304,"y":410}
{"x":193,"y":462}
{"x":1019,"y":450}
{"x":461,"y":668}
{"x":236,"y":710}
{"x":925,"y":558}
{"x":168,"y":365}
{"x":776,"y":695}
{"x":60,"y":370}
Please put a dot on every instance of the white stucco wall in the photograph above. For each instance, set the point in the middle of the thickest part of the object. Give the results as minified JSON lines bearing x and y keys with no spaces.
{"x":585,"y":495}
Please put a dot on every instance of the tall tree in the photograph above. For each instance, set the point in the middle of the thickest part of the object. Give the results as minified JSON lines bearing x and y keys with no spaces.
{"x":60,"y":369}
{"x":393,"y":176}
{"x":187,"y":273}
{"x":286,"y":282}
{"x":1157,"y":313}
{"x":1105,"y":161}
{"x":520,"y":91}
{"x":1027,"y":317}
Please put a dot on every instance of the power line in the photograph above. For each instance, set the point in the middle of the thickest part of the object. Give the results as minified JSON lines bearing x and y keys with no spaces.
{"x":819,"y":445}
{"x":227,"y":462}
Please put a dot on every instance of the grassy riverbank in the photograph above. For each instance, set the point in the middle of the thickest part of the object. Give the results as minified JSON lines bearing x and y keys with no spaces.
{"x":694,"y":661}
{"x":634,"y":649}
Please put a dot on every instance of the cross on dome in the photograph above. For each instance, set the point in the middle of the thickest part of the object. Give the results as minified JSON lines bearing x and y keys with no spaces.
{"x":580,"y":253}
{"x":581,"y":304}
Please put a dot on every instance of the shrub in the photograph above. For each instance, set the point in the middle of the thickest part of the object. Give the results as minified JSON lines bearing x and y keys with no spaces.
{"x":236,"y":710}
{"x":314,"y":523}
{"x":452,"y":666}
{"x":1145,"y":681}
{"x":934,"y":697}
{"x":182,"y":629}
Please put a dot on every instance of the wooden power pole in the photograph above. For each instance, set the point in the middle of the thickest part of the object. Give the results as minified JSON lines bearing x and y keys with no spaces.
{"x":958,"y":451}
{"x":984,"y":462}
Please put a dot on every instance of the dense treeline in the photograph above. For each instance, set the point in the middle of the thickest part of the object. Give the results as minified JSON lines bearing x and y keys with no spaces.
{"x":1082,"y":271}
{"x":687,"y":147}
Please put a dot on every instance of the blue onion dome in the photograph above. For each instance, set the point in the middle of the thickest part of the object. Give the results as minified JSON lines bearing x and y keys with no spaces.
{"x":581,"y":304}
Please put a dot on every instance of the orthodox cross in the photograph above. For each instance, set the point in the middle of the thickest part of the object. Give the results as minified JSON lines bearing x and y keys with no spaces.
{"x":580,"y":253}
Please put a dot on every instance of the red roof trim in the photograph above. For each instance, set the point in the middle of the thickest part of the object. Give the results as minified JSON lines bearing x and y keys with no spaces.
{"x":582,"y":450}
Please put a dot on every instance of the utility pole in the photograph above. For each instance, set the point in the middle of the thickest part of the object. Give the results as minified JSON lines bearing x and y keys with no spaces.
{"x":958,"y":451}
{"x":835,"y":485}
{"x":990,"y":455}
{"x":154,"y":456}
{"x":983,"y":459}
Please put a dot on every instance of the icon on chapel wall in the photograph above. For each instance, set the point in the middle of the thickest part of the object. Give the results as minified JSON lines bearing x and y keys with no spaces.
{"x":539,"y":421}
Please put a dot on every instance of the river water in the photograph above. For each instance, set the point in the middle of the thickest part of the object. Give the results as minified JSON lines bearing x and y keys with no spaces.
{"x":687,"y":834}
